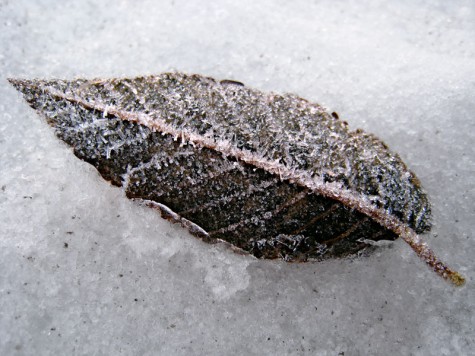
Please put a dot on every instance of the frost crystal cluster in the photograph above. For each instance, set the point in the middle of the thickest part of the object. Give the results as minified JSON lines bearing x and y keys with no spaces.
{"x":272,"y":174}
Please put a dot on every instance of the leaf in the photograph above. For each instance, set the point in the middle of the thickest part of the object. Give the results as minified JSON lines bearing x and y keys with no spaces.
{"x":274,"y":175}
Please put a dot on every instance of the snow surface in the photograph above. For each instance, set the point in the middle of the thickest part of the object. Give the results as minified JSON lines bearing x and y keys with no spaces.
{"x":86,"y":271}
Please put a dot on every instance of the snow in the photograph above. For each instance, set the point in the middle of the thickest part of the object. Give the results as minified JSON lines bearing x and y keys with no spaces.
{"x":128,"y":282}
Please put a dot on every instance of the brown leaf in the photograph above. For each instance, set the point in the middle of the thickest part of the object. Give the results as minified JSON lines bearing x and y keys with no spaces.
{"x":273,"y":175}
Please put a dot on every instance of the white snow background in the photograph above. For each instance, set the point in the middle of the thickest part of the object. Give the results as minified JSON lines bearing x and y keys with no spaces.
{"x":83,"y":270}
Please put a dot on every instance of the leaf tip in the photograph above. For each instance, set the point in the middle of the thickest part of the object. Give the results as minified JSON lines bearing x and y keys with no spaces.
{"x":457,"y":279}
{"x":13,"y":81}
{"x":19,"y":84}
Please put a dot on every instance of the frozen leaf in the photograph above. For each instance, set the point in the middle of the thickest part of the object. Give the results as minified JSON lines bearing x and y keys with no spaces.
{"x":271,"y":174}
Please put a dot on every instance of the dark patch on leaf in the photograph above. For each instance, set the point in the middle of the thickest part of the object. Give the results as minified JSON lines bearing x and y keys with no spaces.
{"x":231,"y":82}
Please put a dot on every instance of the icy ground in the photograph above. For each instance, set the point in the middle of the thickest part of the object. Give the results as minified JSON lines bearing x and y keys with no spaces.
{"x":83,"y":270}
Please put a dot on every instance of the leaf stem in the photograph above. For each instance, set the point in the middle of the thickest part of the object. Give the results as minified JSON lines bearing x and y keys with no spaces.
{"x":426,"y":254}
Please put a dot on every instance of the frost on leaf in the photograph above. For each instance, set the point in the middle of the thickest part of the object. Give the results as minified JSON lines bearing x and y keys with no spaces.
{"x":274,"y":175}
